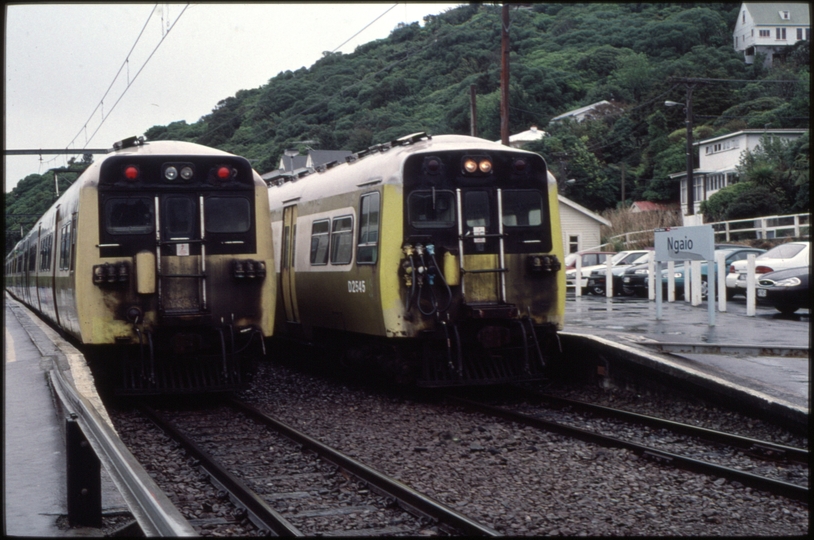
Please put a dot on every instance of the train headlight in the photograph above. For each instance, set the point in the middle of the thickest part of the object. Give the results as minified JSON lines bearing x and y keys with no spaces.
{"x":476,"y":165}
{"x":186,"y":173}
{"x":170,"y":173}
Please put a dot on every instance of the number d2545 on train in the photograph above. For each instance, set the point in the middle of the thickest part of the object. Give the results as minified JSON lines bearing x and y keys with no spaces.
{"x":437,"y":259}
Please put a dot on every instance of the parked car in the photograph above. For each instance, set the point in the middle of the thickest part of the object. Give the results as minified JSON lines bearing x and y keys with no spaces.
{"x":621,"y":258}
{"x":731,"y":255}
{"x":786,"y":290}
{"x":596,"y":281}
{"x":589,"y":258}
{"x":788,"y":255}
{"x":634,"y":280}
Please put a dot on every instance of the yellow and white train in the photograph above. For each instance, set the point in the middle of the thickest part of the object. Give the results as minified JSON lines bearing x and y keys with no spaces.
{"x":156,"y":258}
{"x":437,"y":259}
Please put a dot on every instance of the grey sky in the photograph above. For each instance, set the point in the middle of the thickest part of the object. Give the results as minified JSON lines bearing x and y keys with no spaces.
{"x":62,"y":58}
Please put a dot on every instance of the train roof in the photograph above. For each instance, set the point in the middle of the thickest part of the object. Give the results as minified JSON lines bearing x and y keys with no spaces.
{"x":379,"y":164}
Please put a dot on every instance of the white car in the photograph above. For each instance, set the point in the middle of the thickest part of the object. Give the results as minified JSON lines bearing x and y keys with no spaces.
{"x":790,"y":255}
{"x":623,"y":258}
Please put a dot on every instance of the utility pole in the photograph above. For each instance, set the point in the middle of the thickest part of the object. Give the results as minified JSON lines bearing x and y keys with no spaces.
{"x":690,"y":184}
{"x":504,"y":77}
{"x":473,"y":113}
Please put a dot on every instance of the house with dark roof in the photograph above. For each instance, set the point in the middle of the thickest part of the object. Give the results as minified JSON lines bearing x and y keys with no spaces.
{"x":769,"y":28}
{"x":293,"y":164}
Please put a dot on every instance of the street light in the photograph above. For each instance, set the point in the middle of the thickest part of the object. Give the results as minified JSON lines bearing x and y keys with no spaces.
{"x":688,"y":122}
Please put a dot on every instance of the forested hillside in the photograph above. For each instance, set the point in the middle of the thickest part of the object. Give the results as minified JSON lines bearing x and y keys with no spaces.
{"x":563,"y":56}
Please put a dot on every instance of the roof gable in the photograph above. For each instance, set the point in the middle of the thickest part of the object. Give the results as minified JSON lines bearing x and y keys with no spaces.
{"x":581,"y":209}
{"x":768,"y":13}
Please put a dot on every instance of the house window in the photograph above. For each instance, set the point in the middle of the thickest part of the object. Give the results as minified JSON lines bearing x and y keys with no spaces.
{"x":780,"y":33}
{"x":785,"y":15}
{"x":698,"y":192}
{"x":744,"y":16}
{"x":573,"y":243}
{"x":684,"y":191}
{"x":753,"y":32}
{"x":765,"y":33}
{"x":709,"y":151}
{"x":799,"y":34}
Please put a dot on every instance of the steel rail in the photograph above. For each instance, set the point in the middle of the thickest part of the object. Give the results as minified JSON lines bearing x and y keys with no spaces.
{"x":259,"y":512}
{"x":405,"y":495}
{"x":765,"y":448}
{"x":792,"y":491}
{"x":152,"y":509}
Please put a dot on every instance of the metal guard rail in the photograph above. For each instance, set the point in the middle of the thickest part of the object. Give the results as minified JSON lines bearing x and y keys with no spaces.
{"x":154,"y":512}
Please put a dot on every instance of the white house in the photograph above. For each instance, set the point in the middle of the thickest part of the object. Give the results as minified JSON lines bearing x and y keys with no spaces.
{"x":580,"y":227}
{"x":589,"y":112}
{"x":769,"y":27}
{"x":518,"y":140}
{"x":717,"y":165}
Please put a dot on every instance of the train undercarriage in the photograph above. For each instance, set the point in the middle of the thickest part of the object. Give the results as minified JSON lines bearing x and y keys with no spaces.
{"x":192,"y":360}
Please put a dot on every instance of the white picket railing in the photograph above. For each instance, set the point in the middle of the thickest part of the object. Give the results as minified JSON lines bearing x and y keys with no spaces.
{"x":788,"y":226}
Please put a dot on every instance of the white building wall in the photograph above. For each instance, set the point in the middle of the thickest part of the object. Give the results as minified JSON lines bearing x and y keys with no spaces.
{"x":575,"y":223}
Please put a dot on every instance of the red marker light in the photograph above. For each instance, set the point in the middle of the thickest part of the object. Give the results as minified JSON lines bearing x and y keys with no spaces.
{"x":520,"y":165}
{"x":131,"y":172}
{"x":224,"y":172}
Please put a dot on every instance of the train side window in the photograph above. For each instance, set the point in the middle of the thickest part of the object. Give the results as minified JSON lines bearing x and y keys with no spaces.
{"x":320,"y":236}
{"x":129,"y":216}
{"x":179,"y":217}
{"x":429,"y":209}
{"x":522,"y":208}
{"x":227,"y":214}
{"x":32,"y":258}
{"x":45,"y":253}
{"x":65,"y":247}
{"x":476,"y":208}
{"x":342,"y":240}
{"x":367,"y":248}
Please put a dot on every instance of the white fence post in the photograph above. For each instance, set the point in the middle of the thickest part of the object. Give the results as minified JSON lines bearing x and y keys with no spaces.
{"x":578,"y":282}
{"x":695,"y":286}
{"x":651,"y":275}
{"x":687,"y":274}
{"x":750,"y":285}
{"x":671,"y":281}
{"x":721,"y":264}
{"x":609,"y":279}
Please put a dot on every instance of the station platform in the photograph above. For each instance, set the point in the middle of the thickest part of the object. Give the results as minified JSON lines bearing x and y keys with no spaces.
{"x":34,"y":452}
{"x":763,"y":359}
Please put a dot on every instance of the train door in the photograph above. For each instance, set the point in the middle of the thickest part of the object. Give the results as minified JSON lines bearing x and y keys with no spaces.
{"x":480,"y":229}
{"x":57,"y":241}
{"x":180,"y":260}
{"x":287,"y":270}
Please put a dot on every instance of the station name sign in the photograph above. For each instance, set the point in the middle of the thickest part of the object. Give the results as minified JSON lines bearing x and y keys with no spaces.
{"x":685,"y":243}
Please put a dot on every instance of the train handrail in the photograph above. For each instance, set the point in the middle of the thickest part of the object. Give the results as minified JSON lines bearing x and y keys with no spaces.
{"x":153,"y":510}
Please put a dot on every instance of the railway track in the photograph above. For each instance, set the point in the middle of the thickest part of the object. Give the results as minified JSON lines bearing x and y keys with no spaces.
{"x":679,"y":436}
{"x":290,"y":484}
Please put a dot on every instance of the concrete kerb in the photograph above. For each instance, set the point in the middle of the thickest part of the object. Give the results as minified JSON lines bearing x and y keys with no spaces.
{"x":620,"y":359}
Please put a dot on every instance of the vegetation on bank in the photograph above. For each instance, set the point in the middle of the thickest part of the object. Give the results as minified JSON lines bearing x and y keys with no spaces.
{"x":563,"y":56}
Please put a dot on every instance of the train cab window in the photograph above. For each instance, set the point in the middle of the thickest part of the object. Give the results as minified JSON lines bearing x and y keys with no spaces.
{"x":320,"y":235}
{"x":178,"y":217}
{"x":227,"y":214}
{"x":522,"y":208}
{"x":432,"y":209}
{"x":476,"y":208}
{"x":342,"y":240}
{"x":129,"y":216}
{"x":366,"y":250}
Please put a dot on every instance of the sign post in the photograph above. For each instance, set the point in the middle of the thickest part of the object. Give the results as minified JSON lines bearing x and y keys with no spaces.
{"x":688,"y":244}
